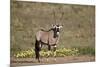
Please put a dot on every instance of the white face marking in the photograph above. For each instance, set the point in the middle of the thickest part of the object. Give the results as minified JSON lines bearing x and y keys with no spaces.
{"x":55,"y":46}
{"x":40,"y":45}
{"x":57,"y":33}
{"x":59,"y":27}
{"x":55,"y":26}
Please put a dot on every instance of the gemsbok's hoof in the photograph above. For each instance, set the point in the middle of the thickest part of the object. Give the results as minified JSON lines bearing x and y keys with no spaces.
{"x":47,"y":60}
{"x":55,"y":59}
{"x":39,"y":61}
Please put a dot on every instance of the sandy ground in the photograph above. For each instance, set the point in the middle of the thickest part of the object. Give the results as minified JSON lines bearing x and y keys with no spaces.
{"x":51,"y":60}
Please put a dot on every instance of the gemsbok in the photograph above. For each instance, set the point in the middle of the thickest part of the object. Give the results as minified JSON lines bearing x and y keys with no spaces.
{"x":49,"y":38}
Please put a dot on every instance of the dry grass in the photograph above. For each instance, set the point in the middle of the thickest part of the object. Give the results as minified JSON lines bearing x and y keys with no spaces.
{"x":27,"y":18}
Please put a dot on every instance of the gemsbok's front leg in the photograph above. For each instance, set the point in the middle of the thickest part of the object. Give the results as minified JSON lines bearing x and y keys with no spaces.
{"x":54,"y":49}
{"x":49,"y":47}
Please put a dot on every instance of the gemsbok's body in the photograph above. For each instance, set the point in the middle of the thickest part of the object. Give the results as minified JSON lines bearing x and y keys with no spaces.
{"x":50,"y":38}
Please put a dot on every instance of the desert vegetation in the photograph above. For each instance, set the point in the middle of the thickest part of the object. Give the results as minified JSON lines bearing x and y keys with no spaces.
{"x":62,"y":52}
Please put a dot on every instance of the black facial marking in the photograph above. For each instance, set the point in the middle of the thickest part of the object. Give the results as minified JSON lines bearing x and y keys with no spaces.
{"x":56,"y":29}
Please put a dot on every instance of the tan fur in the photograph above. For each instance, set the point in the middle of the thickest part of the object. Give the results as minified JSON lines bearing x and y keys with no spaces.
{"x":47,"y":37}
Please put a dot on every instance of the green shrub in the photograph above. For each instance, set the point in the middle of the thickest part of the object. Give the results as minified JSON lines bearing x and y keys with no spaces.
{"x":58,"y":53}
{"x":87,"y":51}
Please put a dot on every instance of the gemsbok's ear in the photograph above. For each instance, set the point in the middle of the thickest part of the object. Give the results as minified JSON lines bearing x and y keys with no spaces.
{"x":53,"y":26}
{"x":61,"y":26}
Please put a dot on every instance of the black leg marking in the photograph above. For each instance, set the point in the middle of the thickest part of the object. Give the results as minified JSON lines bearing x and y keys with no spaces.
{"x":49,"y":47}
{"x":37,"y":50}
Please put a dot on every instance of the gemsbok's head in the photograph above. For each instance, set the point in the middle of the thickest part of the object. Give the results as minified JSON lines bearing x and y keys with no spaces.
{"x":56,"y":29}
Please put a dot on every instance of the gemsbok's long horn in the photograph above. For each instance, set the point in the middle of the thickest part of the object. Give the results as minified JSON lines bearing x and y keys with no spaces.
{"x":54,"y":17}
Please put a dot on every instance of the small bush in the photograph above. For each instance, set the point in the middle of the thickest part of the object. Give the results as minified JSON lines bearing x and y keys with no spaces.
{"x":87,"y":51}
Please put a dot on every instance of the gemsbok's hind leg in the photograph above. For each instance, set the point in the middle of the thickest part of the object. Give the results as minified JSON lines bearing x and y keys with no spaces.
{"x":37,"y":50}
{"x":37,"y":54}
